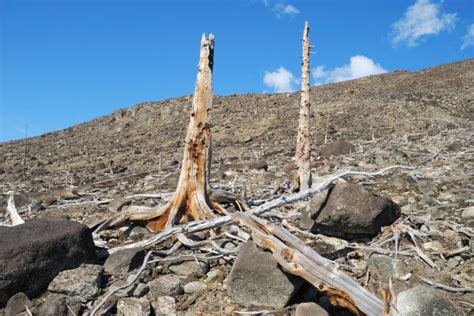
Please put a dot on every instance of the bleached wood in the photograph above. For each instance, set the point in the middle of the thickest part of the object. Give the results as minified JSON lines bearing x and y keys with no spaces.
{"x":197,"y":226}
{"x":303,"y":153}
{"x":11,"y":209}
{"x":297,"y":258}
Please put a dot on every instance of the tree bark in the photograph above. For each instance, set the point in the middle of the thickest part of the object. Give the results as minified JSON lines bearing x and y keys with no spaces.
{"x":191,"y":199}
{"x":303,"y":153}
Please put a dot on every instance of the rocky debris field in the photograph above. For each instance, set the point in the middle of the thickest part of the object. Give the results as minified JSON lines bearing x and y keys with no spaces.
{"x":408,"y":232}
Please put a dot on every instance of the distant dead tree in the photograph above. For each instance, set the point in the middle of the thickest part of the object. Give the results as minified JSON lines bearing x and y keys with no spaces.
{"x":303,"y":150}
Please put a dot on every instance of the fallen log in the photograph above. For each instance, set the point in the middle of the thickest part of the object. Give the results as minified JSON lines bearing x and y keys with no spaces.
{"x":301,"y":260}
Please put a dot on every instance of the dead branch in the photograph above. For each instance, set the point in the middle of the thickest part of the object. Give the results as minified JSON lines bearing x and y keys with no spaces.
{"x":197,"y":226}
{"x":301,"y":260}
{"x":446,"y":287}
{"x":124,"y":286}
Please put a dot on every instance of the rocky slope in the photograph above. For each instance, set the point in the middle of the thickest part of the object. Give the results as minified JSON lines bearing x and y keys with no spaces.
{"x":422,"y":119}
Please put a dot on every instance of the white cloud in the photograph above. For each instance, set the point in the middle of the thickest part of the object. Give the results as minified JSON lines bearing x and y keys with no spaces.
{"x":282,"y":10}
{"x":422,"y":19}
{"x":359,"y":66}
{"x":280,"y":80}
{"x":468,"y":39}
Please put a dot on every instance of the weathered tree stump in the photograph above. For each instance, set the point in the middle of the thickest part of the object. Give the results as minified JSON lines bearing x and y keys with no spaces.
{"x":193,"y":199}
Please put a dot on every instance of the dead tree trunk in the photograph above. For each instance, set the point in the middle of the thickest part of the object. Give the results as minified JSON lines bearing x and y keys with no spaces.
{"x":193,"y":198}
{"x":303,"y":154}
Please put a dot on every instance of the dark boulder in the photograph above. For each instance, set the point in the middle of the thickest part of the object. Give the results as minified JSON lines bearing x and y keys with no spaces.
{"x":32,"y":254}
{"x":124,"y":260}
{"x":353,"y":212}
{"x":256,"y":279}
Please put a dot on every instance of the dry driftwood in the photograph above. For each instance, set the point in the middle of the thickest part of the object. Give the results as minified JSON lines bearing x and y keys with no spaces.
{"x":197,"y":226}
{"x":303,"y":153}
{"x":298,"y":259}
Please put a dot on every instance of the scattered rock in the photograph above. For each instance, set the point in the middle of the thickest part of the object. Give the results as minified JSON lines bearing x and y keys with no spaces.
{"x":140,"y":290}
{"x":452,"y":263}
{"x":124,"y":260}
{"x":38,"y":250}
{"x":84,"y":282}
{"x":337,"y":148}
{"x":117,"y":204}
{"x":468,"y":213}
{"x":138,"y":230}
{"x":16,"y":304}
{"x":167,"y":285}
{"x":193,"y":287}
{"x":434,"y":246}
{"x":424,"y":301}
{"x":353,"y":212}
{"x":164,"y":306}
{"x":133,"y":306}
{"x":215,"y":276}
{"x":257,"y":280}
{"x":384,"y":266}
{"x":310,"y":309}
{"x":58,"y":304}
{"x":188,"y":268}
{"x":39,"y":172}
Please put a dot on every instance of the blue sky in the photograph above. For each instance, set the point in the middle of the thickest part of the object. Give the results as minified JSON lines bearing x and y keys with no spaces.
{"x":65,"y":62}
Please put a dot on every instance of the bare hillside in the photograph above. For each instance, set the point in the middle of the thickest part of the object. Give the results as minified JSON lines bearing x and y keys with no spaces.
{"x":421,"y":118}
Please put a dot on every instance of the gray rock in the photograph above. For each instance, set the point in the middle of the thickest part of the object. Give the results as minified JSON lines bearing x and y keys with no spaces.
{"x":164,"y":306}
{"x":337,"y":148}
{"x":138,"y":231}
{"x":117,"y":204}
{"x":140,"y":290}
{"x":452,"y":263}
{"x":39,"y":172}
{"x":188,"y":268}
{"x":135,"y":290}
{"x":193,"y":287}
{"x":133,"y":307}
{"x":384,"y":266}
{"x":434,"y":246}
{"x":84,"y":282}
{"x":215,"y":276}
{"x":256,"y":279}
{"x":58,"y":304}
{"x":424,"y":301}
{"x":124,"y":260}
{"x":353,"y":212}
{"x":16,"y":304}
{"x":468,"y":213}
{"x":38,"y":250}
{"x":310,"y":309}
{"x":167,"y":285}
